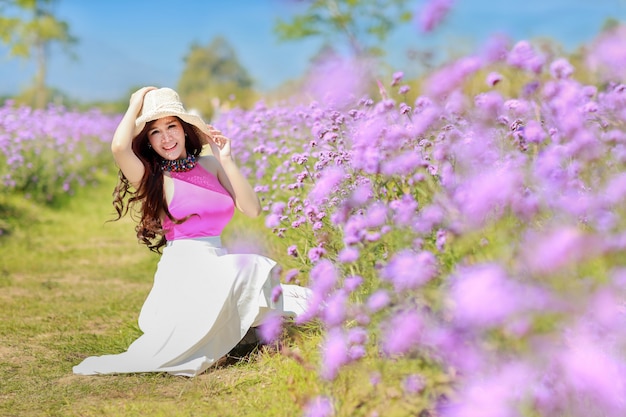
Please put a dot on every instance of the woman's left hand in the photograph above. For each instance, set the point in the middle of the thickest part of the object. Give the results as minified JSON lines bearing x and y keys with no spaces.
{"x":220,"y":144}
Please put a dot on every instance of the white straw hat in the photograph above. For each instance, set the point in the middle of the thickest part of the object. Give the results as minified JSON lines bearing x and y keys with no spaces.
{"x":165,"y":102}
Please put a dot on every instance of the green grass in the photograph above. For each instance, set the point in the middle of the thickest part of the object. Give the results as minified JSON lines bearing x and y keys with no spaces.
{"x":72,"y":285}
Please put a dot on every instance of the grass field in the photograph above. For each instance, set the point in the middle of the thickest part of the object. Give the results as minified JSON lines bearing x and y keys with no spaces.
{"x":72,"y":284}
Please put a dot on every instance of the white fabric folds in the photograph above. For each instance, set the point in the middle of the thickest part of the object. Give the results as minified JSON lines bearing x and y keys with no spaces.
{"x":202,"y":303}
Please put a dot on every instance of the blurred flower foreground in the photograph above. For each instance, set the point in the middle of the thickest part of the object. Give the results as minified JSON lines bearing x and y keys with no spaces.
{"x":478,"y":230}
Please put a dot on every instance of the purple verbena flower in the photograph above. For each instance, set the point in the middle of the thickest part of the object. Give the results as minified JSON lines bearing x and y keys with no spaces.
{"x":409,"y":270}
{"x":292,"y":251}
{"x":404,"y":209}
{"x":451,"y":77}
{"x":378,"y":300}
{"x":524,"y":56}
{"x":352,"y":282}
{"x":334,"y":353}
{"x":277,"y":292}
{"x":271,"y":221}
{"x":291,"y":274}
{"x":561,"y":68}
{"x":402,"y":333}
{"x":547,"y":252}
{"x":413,"y":384}
{"x":334,"y":310}
{"x":324,"y":277}
{"x":376,"y":215}
{"x":320,"y":406}
{"x":533,"y":132}
{"x":271,"y":328}
{"x":484,"y":197}
{"x":484,"y":296}
{"x":316,"y":253}
{"x":357,"y":336}
{"x":595,"y":375}
{"x":433,"y":13}
{"x":375,"y":378}
{"x":326,"y":184}
{"x":442,"y":237}
{"x":607,"y":56}
{"x":493,"y":78}
{"x":397,"y":77}
{"x":492,"y":395}
{"x":348,"y":255}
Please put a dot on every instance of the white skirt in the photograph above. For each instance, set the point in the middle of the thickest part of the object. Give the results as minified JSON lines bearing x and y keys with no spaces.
{"x":201,"y":305}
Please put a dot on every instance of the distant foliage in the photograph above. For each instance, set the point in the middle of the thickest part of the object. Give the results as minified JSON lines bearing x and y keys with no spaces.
{"x":483,"y":234}
{"x":214,"y":80}
{"x":361,"y":25}
{"x":28,"y":28}
{"x":47,"y":153}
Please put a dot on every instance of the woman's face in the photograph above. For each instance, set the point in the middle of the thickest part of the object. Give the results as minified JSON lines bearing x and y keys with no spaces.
{"x":167,"y":137}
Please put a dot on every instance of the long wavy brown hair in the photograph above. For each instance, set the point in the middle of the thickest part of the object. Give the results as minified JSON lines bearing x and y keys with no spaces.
{"x":149,"y":196}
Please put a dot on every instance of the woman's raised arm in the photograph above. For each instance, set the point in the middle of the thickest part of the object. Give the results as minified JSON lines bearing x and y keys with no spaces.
{"x":121,"y":145}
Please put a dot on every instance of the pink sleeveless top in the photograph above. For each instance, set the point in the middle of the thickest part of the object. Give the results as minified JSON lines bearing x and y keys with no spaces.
{"x":198,"y":192}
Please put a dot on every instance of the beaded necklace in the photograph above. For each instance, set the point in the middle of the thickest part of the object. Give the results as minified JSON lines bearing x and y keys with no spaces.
{"x":179,"y":165}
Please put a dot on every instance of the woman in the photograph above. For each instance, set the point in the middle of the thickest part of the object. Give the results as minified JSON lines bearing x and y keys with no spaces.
{"x":203,"y":300}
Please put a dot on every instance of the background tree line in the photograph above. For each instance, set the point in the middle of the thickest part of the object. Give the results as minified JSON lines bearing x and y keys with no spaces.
{"x":213,"y":77}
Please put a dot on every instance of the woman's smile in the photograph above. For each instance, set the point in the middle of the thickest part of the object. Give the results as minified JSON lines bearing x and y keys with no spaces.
{"x":166,"y":135}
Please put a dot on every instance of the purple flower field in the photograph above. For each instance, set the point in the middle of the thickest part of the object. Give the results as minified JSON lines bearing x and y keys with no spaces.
{"x":48,"y":153}
{"x":483,"y":233}
{"x":478,"y":229}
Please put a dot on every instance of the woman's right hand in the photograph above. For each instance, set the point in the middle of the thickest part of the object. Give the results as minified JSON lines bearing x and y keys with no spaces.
{"x":136,"y":100}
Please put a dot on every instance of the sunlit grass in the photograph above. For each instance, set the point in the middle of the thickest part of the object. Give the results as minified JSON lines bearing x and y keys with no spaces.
{"x":72,"y":285}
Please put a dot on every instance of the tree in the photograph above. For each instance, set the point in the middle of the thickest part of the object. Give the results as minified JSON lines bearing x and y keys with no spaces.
{"x":30,"y":34}
{"x":364,"y":24}
{"x":609,"y":24}
{"x":213,"y":78}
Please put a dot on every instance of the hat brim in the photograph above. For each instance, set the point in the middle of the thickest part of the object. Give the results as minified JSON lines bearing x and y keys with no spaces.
{"x":192,"y":119}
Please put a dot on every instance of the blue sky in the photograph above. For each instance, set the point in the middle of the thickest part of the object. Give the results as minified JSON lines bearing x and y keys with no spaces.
{"x":126,"y":43}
